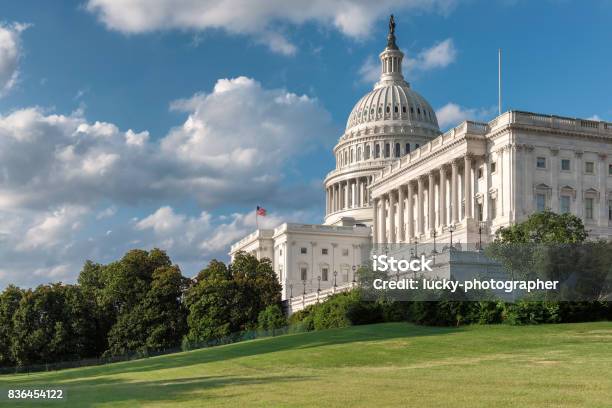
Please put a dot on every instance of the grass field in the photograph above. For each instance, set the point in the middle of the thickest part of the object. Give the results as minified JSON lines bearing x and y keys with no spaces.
{"x":385,"y":365}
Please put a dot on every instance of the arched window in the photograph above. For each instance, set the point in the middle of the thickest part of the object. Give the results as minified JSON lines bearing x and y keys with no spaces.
{"x":352,"y":155}
{"x":367,"y":152}
{"x":396,"y":109}
{"x":407,"y":148}
{"x":345,"y":158}
{"x":377,"y":151}
{"x":359,"y":153}
{"x":387,"y":150}
{"x":403,"y":109}
{"x":398,"y":149}
{"x":388,"y":109}
{"x":416,"y":145}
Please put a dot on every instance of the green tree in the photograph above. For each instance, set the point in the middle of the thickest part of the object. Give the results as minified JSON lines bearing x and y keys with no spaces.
{"x":228,"y":300}
{"x":544,"y":227}
{"x":53,"y":323}
{"x":9,"y":302}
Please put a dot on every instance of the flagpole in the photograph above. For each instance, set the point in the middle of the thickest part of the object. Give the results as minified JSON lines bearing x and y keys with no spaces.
{"x":499,"y":90}
{"x":257,"y":219}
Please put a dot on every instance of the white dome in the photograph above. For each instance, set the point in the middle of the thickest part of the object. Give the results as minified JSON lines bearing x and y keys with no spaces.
{"x":394,"y":101}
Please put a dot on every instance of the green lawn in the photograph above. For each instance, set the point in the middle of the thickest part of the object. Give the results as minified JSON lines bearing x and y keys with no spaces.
{"x":384,"y":365}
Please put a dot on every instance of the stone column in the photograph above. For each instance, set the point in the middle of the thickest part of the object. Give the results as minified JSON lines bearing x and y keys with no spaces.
{"x":392,"y":216}
{"x":442,"y":197}
{"x":602,"y":178}
{"x":579,"y":186}
{"x":554,"y":179}
{"x":375,"y":221}
{"x":358,"y":195}
{"x":467,"y":181}
{"x":410,"y":212}
{"x":400,"y":215}
{"x":353,"y":193}
{"x":346,"y":195}
{"x":420,"y":193}
{"x":382,"y":224}
{"x":431,"y":218}
{"x":454,"y":193}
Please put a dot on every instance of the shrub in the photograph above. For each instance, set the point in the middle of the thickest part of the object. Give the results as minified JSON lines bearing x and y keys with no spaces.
{"x":271,"y":318}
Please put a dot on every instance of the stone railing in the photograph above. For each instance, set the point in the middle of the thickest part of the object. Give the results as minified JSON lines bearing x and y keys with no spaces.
{"x":317,"y":228}
{"x":260,"y":233}
{"x":552,"y":122}
{"x":297,"y":303}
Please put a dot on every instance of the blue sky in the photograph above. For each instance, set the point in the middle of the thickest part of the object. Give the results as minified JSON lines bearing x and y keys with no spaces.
{"x":120,"y":125}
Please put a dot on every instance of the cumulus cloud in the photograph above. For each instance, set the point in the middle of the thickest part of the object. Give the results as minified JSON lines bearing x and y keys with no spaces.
{"x":67,"y":184}
{"x":452,"y":114}
{"x":10,"y":53}
{"x":439,"y":55}
{"x":261,"y":19}
{"x":233,"y":145}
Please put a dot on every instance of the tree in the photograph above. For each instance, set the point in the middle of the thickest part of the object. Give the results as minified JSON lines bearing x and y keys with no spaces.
{"x":544,"y":227}
{"x":226,"y":301}
{"x":9,"y":302}
{"x":53,"y":323}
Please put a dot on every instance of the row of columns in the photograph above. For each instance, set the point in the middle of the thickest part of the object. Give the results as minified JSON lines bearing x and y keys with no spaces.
{"x":347,"y":194}
{"x":410,"y":198}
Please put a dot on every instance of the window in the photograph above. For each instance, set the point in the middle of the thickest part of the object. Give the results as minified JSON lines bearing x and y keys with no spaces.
{"x":377,"y":151}
{"x":565,"y":204}
{"x":493,"y":208}
{"x":345,"y":274}
{"x":610,"y":169}
{"x":407,"y":148}
{"x":359,"y":153}
{"x":323,"y":251}
{"x":479,"y":211}
{"x":324,"y":274}
{"x":303,"y":250}
{"x":280,"y":252}
{"x":387,"y":150}
{"x":540,"y":202}
{"x":403,"y":109}
{"x":480,"y":173}
{"x":345,"y":251}
{"x":304,"y":273}
{"x":541,"y":162}
{"x":609,"y":210}
{"x":388,"y":109}
{"x":589,"y":167}
{"x":398,"y":149}
{"x":416,"y":145}
{"x":367,"y":152}
{"x":588,"y":208}
{"x":565,"y":164}
{"x":493,"y":167}
{"x":395,"y":109}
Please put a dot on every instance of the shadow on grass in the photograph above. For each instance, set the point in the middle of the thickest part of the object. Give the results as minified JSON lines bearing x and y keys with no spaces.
{"x":92,"y":391}
{"x":351,"y":334}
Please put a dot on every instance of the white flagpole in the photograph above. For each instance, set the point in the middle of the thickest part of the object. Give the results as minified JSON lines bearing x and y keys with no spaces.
{"x":499,"y":99}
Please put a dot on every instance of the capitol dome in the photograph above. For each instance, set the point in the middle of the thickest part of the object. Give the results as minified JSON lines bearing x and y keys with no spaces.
{"x":393,"y":102}
{"x":389,"y":122}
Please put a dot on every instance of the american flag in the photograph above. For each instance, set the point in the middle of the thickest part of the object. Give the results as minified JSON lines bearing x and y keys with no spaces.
{"x":261,"y":211}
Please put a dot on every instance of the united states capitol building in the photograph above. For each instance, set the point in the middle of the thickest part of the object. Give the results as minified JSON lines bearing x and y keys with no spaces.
{"x":399,"y":180}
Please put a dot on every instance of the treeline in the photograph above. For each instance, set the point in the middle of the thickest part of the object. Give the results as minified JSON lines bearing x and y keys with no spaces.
{"x":138,"y":304}
{"x":349,"y":308}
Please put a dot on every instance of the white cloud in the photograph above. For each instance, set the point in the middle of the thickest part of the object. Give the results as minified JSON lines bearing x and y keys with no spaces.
{"x":439,"y":55}
{"x":233,"y":145}
{"x":65,"y":182}
{"x":52,"y":228}
{"x":595,"y":117}
{"x":10,"y":53}
{"x":261,"y":19}
{"x":452,"y":114}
